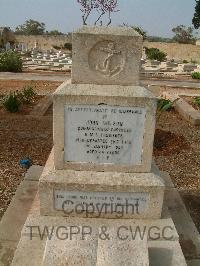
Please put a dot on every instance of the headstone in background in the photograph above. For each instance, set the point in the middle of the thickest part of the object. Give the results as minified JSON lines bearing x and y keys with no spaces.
{"x":144,"y":56}
{"x":8,"y":46}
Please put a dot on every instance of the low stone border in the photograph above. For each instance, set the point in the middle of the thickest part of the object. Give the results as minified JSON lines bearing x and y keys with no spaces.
{"x":43,"y":105}
{"x":169,"y":90}
{"x":186,"y":110}
{"x":15,"y":216}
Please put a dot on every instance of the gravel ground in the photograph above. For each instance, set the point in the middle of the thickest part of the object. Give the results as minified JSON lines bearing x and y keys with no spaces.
{"x":21,"y":136}
{"x":41,"y":87}
{"x":183,"y":165}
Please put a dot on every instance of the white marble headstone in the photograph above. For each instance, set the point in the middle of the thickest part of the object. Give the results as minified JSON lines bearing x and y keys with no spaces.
{"x":104,"y":134}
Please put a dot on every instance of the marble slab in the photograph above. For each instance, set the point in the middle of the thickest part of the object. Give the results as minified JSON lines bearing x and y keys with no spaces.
{"x":104,"y":134}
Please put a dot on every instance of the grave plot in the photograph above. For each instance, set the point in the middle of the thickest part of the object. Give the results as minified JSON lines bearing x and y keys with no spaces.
{"x":103,"y":129}
{"x":47,"y":61}
{"x":164,"y":67}
{"x":187,"y":107}
{"x":102,"y":157}
{"x":194,"y":101}
{"x":24,"y":133}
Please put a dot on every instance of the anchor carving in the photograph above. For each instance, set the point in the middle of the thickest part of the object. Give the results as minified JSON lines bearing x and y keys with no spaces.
{"x":107,"y":69}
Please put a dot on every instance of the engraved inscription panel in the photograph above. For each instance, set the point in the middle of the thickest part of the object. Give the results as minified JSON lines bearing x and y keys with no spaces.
{"x":106,"y":59}
{"x":104,"y":134}
{"x":101,"y":202}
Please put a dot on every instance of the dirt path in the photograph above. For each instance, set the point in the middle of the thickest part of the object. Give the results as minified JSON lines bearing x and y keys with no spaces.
{"x":41,"y":87}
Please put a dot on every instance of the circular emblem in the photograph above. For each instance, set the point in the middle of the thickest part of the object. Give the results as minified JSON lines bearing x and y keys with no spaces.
{"x":106,"y":59}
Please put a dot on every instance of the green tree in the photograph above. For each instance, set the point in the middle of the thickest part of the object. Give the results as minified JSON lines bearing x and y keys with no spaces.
{"x":139,"y":29}
{"x":54,"y":32}
{"x":155,"y":54}
{"x":183,"y":34}
{"x":31,"y":27}
{"x":68,"y":46}
{"x":10,"y":62}
{"x":196,"y":18}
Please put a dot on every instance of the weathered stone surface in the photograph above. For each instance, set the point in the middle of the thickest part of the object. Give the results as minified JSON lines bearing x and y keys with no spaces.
{"x":41,"y":108}
{"x":189,"y":235}
{"x":34,"y":173}
{"x":122,"y":245}
{"x":106,"y":55}
{"x":147,"y":187}
{"x":166,"y":253}
{"x":151,"y":229}
{"x":13,"y":220}
{"x":116,"y":251}
{"x":7,"y":250}
{"x":29,"y":251}
{"x":188,"y":112}
{"x":137,"y":126}
{"x":72,"y":251}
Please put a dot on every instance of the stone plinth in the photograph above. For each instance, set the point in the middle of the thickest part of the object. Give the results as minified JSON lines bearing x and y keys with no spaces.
{"x":106,"y":55}
{"x":103,"y":128}
{"x":100,"y":194}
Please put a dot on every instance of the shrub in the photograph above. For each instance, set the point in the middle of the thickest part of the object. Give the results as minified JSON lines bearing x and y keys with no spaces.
{"x":164,"y":105}
{"x":27,"y":95}
{"x":197,"y":101}
{"x":11,"y":103}
{"x":10,"y":62}
{"x":68,"y":46}
{"x":155,"y":54}
{"x":185,"y":62}
{"x":194,"y":61}
{"x":196,"y":75}
{"x":57,"y":47}
{"x":141,"y":31}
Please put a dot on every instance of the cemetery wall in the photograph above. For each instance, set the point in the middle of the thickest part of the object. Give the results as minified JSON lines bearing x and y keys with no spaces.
{"x":44,"y":42}
{"x":175,"y":50}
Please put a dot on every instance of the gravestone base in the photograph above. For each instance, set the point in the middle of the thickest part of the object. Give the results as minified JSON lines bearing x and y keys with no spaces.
{"x":103,"y":127}
{"x":68,"y":240}
{"x":100,"y":194}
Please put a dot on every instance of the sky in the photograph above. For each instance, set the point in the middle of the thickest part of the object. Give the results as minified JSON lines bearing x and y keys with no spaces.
{"x":157,"y":17}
